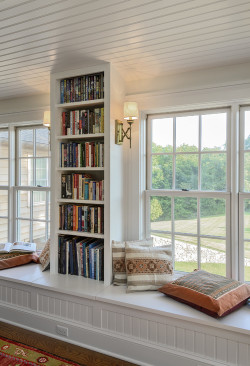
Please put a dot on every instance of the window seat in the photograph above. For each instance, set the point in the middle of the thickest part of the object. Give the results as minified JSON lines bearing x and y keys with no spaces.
{"x":143,"y":327}
{"x":149,"y":301}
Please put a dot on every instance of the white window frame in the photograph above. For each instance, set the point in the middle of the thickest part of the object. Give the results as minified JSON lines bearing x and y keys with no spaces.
{"x":14,"y":186}
{"x":242,"y":194}
{"x":197,"y":194}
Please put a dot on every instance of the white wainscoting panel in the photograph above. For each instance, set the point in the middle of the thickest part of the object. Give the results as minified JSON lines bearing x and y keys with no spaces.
{"x":139,"y":336}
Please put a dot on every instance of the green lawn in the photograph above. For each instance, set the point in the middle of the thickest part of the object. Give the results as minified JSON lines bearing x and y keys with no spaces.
{"x":217,"y":268}
{"x":214,"y":225}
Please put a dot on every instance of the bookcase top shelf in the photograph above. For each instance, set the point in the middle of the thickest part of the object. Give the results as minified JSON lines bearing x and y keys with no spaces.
{"x":81,"y":233}
{"x":87,"y":202}
{"x":85,"y":103}
{"x":83,"y":136}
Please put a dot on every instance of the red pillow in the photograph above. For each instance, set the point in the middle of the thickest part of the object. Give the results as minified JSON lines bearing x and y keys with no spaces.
{"x":16,"y":259}
{"x":212,"y":294}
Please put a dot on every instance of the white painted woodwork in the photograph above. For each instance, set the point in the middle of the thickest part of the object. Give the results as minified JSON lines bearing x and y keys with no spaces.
{"x":113,"y":161}
{"x":146,"y":328}
{"x":142,"y":38}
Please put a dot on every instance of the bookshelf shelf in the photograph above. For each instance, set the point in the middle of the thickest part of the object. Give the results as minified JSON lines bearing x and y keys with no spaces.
{"x":83,"y":202}
{"x":85,"y":103}
{"x":80,"y":137}
{"x":81,"y":233}
{"x":79,"y":169}
{"x":79,"y":119}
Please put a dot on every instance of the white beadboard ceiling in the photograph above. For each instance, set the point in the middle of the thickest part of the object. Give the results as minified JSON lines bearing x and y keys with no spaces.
{"x":143,"y":38}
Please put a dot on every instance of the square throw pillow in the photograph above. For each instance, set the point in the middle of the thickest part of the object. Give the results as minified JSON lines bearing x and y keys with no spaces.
{"x":212,"y":294}
{"x":118,"y":258}
{"x":44,"y":258}
{"x":10,"y":260}
{"x":148,"y":268}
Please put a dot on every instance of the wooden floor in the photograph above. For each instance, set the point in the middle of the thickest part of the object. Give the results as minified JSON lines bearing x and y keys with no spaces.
{"x":69,"y":351}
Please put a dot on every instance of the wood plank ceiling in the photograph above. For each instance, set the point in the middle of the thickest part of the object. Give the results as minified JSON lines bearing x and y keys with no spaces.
{"x":143,"y":38}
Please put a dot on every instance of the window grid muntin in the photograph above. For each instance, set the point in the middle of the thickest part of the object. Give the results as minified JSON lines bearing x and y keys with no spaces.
{"x":194,"y":193}
{"x":33,"y":188}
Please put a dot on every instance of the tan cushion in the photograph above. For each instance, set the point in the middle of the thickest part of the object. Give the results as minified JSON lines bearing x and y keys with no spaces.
{"x":212,"y":294}
{"x":44,"y":258}
{"x":118,"y":257}
{"x":148,"y":268}
{"x":10,"y":260}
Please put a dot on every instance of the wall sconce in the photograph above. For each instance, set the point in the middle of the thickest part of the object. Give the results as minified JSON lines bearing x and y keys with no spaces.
{"x":46,"y":119}
{"x":130,"y":114}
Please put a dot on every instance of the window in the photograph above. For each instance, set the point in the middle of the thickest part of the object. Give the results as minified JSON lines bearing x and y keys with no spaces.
{"x":244,"y":197}
{"x":188,"y":187}
{"x":25,"y":184}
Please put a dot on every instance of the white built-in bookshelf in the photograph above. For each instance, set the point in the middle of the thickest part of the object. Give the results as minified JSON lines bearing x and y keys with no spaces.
{"x":87,"y":172}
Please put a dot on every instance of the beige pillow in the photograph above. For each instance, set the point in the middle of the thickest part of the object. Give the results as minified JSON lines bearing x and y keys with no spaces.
{"x":118,"y":256}
{"x":44,"y":258}
{"x":148,"y":268}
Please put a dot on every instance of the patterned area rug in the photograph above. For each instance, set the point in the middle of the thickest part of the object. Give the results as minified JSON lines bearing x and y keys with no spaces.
{"x":17,"y":354}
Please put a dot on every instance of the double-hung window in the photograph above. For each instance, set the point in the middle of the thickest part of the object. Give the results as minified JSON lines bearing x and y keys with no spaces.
{"x":25,"y":184}
{"x":188,"y":187}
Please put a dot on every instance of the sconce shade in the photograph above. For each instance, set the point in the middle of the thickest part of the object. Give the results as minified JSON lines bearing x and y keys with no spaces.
{"x":130,"y":110}
{"x":46,"y":119}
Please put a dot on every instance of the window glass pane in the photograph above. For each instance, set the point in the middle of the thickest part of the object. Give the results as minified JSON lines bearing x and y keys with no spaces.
{"x":26,"y":142}
{"x":161,"y":239}
{"x":42,"y":172}
{"x":247,"y":237}
{"x":247,"y":130}
{"x":4,"y":148}
{"x":213,"y":216}
{"x":162,"y":171}
{"x":4,"y":203}
{"x":213,"y":172}
{"x":4,"y":168}
{"x":247,"y":172}
{"x":187,"y":171}
{"x":214,"y":131}
{"x":247,"y":220}
{"x":3,"y":230}
{"x":160,"y":209}
{"x":39,"y":234}
{"x":23,"y":204}
{"x":42,"y":142}
{"x":187,"y":133}
{"x":185,"y":215}
{"x":49,"y":206}
{"x":27,"y":172}
{"x":39,"y":205}
{"x":162,"y":135}
{"x":186,"y":259}
{"x":23,"y":230}
{"x":213,"y":256}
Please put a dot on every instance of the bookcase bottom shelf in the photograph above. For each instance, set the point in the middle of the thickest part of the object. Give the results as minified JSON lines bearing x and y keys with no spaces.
{"x":81,"y":256}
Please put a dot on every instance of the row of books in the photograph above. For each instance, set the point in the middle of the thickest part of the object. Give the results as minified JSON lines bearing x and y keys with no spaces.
{"x":83,"y":154}
{"x":81,"y":257}
{"x":87,"y":87}
{"x":81,"y":187}
{"x":81,"y":218}
{"x":80,"y":122}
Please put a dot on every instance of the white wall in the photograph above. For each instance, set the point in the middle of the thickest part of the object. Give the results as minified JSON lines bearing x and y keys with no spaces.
{"x":23,"y":109}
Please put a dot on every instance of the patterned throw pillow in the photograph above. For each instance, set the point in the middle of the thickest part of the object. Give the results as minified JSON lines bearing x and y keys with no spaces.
{"x":148,"y":268}
{"x":10,"y":260}
{"x":44,"y":257}
{"x":118,"y":255}
{"x":212,"y":294}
